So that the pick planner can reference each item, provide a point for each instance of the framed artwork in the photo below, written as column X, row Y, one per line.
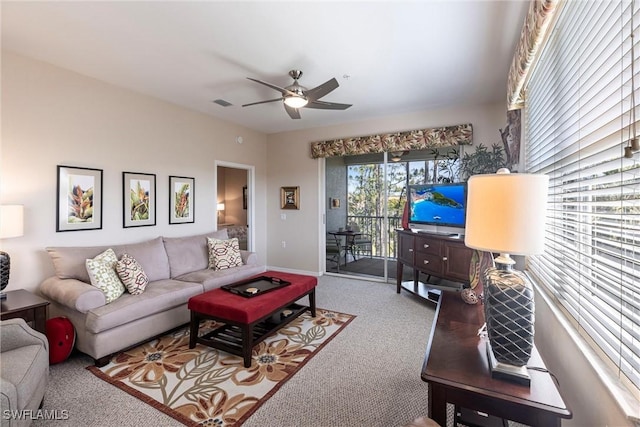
column 181, row 199
column 244, row 197
column 335, row 203
column 139, row 194
column 290, row 197
column 79, row 201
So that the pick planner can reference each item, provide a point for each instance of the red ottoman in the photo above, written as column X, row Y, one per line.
column 248, row 321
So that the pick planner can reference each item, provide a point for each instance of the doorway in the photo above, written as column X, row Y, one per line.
column 234, row 201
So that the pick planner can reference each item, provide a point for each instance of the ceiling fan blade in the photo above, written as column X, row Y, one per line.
column 263, row 102
column 322, row 90
column 321, row 105
column 293, row 112
column 272, row 86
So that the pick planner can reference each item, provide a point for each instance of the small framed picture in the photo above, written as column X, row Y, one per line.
column 290, row 197
column 139, row 194
column 244, row 197
column 79, row 199
column 335, row 203
column 181, row 199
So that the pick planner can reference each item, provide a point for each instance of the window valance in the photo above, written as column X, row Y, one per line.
column 534, row 31
column 419, row 139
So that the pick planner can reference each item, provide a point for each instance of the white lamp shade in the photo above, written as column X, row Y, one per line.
column 220, row 206
column 11, row 221
column 506, row 213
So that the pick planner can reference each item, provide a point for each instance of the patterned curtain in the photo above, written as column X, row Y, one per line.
column 536, row 26
column 419, row 139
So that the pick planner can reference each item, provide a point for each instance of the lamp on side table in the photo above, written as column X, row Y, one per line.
column 506, row 213
column 11, row 225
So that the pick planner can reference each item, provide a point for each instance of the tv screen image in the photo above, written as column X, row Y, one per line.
column 438, row 204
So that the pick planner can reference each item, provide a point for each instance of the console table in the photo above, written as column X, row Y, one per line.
column 437, row 255
column 457, row 371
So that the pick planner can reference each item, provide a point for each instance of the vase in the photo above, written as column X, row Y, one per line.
column 405, row 217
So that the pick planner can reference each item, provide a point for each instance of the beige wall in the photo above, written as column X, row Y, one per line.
column 51, row 116
column 234, row 181
column 290, row 164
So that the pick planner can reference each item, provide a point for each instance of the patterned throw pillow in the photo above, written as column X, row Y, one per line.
column 132, row 275
column 103, row 275
column 224, row 253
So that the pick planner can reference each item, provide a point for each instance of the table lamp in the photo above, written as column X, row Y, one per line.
column 506, row 214
column 11, row 225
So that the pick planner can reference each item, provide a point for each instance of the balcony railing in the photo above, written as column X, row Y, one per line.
column 374, row 227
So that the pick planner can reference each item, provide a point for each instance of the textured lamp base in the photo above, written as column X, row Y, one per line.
column 504, row 371
column 509, row 313
column 5, row 267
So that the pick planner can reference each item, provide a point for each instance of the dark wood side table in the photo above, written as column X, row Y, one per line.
column 457, row 371
column 21, row 303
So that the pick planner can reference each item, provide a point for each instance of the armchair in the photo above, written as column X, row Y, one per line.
column 24, row 369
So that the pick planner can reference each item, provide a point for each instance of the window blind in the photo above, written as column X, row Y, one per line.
column 577, row 119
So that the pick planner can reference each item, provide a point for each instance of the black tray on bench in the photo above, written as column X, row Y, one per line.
column 256, row 286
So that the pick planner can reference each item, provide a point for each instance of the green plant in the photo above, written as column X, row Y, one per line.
column 482, row 160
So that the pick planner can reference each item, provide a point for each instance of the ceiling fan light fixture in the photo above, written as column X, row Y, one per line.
column 296, row 101
column 396, row 156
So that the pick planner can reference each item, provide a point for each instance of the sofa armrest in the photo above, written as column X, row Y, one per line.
column 73, row 293
column 249, row 258
column 15, row 333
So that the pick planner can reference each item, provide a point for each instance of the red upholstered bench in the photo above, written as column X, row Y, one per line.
column 248, row 321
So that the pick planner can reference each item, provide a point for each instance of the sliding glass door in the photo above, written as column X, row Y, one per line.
column 366, row 198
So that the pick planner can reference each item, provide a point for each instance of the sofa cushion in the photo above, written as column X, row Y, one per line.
column 187, row 254
column 70, row 262
column 224, row 254
column 132, row 274
column 102, row 272
column 212, row 279
column 158, row 296
column 151, row 255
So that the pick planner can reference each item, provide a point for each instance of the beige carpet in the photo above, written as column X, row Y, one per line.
column 205, row 386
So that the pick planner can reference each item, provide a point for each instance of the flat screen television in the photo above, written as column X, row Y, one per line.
column 438, row 204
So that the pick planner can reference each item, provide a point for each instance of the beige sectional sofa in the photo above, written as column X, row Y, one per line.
column 177, row 269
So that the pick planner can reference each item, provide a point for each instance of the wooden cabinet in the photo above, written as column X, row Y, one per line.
column 441, row 256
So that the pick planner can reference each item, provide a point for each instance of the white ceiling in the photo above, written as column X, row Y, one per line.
column 400, row 56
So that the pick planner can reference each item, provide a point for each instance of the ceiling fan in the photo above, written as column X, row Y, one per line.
column 296, row 96
column 396, row 156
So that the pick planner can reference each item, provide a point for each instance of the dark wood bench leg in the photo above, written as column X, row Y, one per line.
column 312, row 303
column 194, row 325
column 247, row 344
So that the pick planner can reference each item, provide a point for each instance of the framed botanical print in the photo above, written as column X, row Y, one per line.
column 181, row 200
column 290, row 197
column 79, row 199
column 139, row 197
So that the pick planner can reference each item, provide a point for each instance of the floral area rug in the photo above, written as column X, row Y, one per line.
column 205, row 386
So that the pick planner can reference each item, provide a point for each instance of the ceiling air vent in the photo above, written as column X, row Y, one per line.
column 222, row 102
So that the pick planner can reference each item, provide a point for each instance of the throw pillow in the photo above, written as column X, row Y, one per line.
column 224, row 253
column 103, row 275
column 132, row 275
